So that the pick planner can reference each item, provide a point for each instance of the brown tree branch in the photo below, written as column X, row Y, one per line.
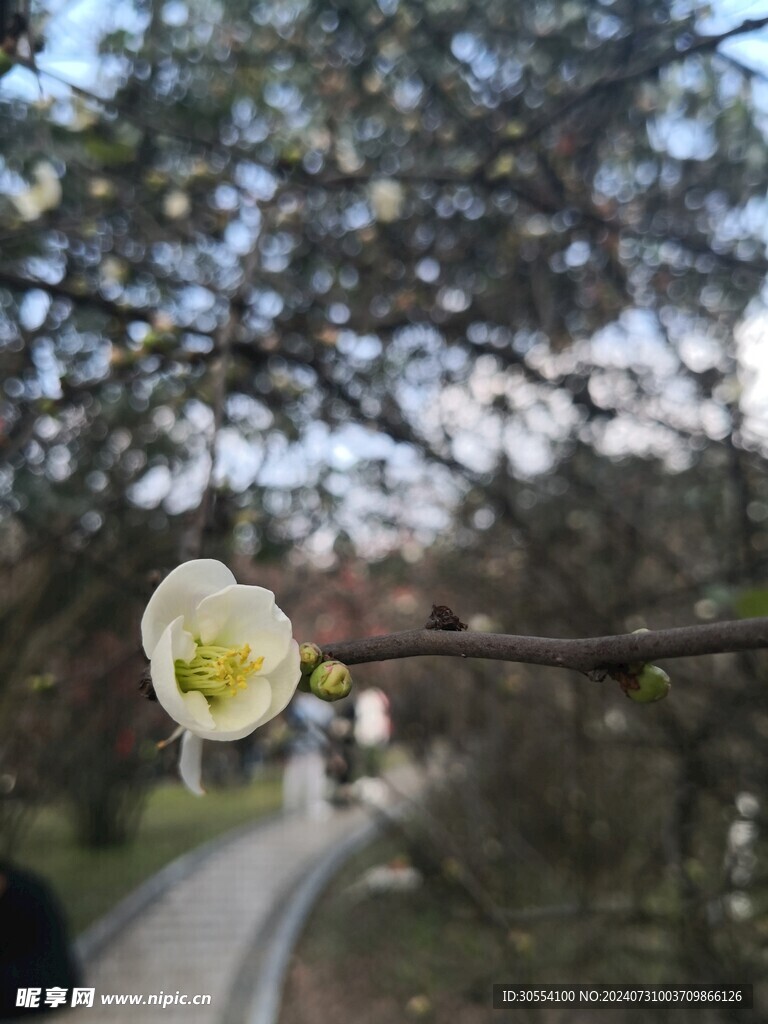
column 699, row 44
column 585, row 655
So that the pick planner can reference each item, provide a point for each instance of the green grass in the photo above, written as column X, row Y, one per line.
column 90, row 882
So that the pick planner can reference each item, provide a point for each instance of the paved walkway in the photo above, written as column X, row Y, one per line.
column 201, row 935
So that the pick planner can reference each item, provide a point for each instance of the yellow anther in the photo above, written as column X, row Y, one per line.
column 217, row 671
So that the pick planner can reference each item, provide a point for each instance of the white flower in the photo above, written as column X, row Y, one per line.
column 223, row 658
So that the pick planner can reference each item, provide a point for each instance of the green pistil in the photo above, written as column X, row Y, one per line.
column 217, row 671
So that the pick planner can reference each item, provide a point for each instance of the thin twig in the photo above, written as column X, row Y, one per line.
column 585, row 655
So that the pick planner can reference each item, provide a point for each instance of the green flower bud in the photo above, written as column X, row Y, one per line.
column 311, row 656
column 651, row 683
column 304, row 686
column 331, row 681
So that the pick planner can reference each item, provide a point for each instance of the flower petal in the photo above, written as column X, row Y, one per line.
column 264, row 698
column 179, row 594
column 191, row 762
column 240, row 615
column 283, row 681
column 188, row 709
column 238, row 716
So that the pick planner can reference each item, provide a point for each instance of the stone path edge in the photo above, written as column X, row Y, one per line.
column 93, row 941
column 259, row 1001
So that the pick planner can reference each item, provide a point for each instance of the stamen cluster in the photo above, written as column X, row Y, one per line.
column 217, row 671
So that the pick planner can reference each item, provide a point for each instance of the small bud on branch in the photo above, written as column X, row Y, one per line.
column 331, row 681
column 442, row 617
column 310, row 657
column 585, row 655
column 645, row 686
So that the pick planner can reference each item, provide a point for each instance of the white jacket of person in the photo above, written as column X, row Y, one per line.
column 372, row 722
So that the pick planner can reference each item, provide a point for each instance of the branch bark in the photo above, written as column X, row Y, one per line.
column 592, row 654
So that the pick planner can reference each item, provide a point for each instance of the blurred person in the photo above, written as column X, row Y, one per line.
column 35, row 952
column 373, row 729
column 304, row 776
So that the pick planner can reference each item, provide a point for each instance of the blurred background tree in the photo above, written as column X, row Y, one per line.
column 392, row 303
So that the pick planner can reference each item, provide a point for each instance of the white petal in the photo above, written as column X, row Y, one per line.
column 238, row 716
column 188, row 709
column 283, row 682
column 191, row 762
column 265, row 697
column 179, row 594
column 240, row 615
